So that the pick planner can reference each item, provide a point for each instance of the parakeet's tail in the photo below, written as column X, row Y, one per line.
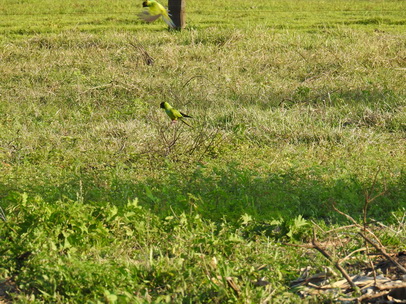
column 168, row 21
column 146, row 16
column 185, row 115
column 185, row 123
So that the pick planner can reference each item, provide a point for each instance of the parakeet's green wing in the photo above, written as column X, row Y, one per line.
column 171, row 114
column 176, row 113
column 156, row 10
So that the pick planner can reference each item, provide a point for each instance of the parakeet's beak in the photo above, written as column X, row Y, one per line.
column 162, row 105
column 144, row 4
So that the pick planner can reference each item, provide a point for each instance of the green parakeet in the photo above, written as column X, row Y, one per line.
column 174, row 114
column 155, row 10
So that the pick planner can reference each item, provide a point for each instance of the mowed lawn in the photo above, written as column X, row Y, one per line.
column 295, row 105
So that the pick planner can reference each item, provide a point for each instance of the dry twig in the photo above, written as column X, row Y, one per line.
column 320, row 249
column 380, row 248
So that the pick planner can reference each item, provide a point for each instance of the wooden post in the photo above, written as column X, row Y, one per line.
column 177, row 11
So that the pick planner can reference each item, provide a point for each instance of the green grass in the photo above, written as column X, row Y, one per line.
column 295, row 104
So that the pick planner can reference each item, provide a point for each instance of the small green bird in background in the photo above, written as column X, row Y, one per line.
column 174, row 114
column 155, row 10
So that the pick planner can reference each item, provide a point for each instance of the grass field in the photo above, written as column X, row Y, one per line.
column 296, row 104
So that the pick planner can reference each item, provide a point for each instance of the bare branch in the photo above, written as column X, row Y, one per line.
column 352, row 253
column 373, row 182
column 380, row 248
column 340, row 228
column 391, row 286
column 345, row 214
column 357, row 225
column 336, row 263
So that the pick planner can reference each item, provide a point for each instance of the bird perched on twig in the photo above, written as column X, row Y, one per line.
column 174, row 114
column 154, row 11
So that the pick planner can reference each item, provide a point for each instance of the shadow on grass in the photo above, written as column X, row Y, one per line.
column 230, row 192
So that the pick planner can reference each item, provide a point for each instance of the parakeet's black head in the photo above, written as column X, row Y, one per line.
column 145, row 4
column 162, row 105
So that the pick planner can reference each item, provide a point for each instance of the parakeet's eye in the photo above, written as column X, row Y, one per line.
column 144, row 4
